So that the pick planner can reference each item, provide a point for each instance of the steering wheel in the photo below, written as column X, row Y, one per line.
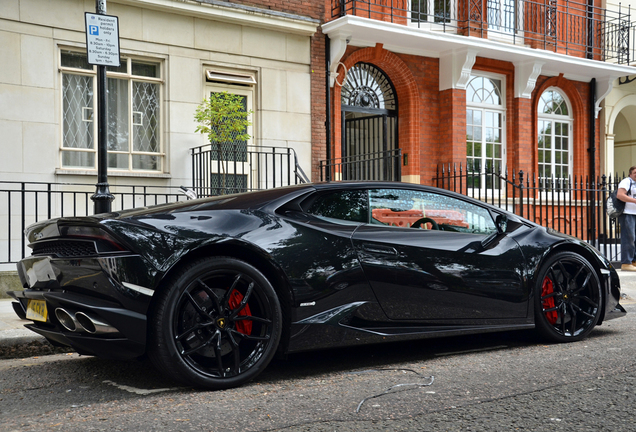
column 418, row 223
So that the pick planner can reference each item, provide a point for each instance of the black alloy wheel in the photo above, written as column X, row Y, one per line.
column 568, row 298
column 216, row 325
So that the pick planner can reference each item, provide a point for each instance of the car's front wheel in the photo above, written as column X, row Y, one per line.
column 568, row 298
column 216, row 324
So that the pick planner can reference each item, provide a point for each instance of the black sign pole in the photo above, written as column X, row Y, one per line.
column 102, row 197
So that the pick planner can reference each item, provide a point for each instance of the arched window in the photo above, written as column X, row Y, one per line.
column 554, row 139
column 485, row 131
column 368, row 87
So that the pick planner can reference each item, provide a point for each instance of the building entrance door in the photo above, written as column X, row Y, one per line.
column 370, row 149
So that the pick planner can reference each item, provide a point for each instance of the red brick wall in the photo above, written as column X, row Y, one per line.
column 451, row 132
column 318, row 104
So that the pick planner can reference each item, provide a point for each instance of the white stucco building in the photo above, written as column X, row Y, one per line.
column 173, row 55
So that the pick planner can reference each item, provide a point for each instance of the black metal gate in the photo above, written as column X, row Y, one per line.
column 369, row 126
column 366, row 141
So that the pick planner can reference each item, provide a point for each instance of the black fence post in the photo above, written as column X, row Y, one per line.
column 605, row 230
column 521, row 193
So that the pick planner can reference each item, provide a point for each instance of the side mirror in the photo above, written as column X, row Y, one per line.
column 502, row 223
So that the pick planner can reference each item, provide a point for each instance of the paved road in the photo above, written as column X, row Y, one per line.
column 497, row 382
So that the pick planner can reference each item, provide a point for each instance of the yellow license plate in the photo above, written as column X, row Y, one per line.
column 36, row 310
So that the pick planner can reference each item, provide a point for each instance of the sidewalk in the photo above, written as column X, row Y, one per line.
column 13, row 334
column 12, row 330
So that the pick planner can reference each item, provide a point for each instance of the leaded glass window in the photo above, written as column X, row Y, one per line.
column 145, row 125
column 77, row 126
column 133, row 114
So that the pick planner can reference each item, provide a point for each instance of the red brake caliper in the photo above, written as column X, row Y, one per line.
column 548, row 303
column 245, row 326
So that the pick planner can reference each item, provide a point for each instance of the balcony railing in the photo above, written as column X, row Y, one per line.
column 220, row 169
column 567, row 27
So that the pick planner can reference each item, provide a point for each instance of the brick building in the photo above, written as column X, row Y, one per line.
column 492, row 84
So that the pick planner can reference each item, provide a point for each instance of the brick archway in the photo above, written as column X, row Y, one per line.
column 408, row 104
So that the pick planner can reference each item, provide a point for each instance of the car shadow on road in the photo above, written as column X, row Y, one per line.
column 308, row 364
column 303, row 365
column 140, row 377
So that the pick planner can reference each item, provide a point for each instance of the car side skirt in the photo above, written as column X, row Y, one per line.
column 305, row 337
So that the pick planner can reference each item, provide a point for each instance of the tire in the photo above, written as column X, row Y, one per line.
column 568, row 298
column 216, row 324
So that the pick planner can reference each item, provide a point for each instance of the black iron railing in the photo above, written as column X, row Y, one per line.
column 384, row 165
column 574, row 206
column 219, row 169
column 24, row 203
column 570, row 27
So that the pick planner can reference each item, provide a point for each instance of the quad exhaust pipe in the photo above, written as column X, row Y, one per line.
column 67, row 320
column 79, row 322
column 93, row 325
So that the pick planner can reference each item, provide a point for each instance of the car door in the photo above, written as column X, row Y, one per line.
column 456, row 266
column 317, row 254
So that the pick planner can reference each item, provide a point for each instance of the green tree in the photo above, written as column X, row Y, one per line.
column 223, row 118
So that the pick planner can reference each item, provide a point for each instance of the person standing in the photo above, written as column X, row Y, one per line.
column 627, row 192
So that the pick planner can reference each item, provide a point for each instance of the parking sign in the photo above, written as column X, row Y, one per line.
column 102, row 39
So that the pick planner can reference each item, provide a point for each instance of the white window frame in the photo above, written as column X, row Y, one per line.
column 430, row 23
column 503, row 34
column 498, row 109
column 90, row 113
column 553, row 118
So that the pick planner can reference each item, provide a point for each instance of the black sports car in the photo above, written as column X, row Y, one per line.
column 212, row 289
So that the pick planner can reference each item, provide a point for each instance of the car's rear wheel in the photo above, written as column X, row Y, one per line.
column 568, row 298
column 216, row 325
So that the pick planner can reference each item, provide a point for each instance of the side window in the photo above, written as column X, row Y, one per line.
column 349, row 206
column 427, row 210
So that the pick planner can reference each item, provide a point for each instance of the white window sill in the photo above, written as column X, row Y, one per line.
column 93, row 173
